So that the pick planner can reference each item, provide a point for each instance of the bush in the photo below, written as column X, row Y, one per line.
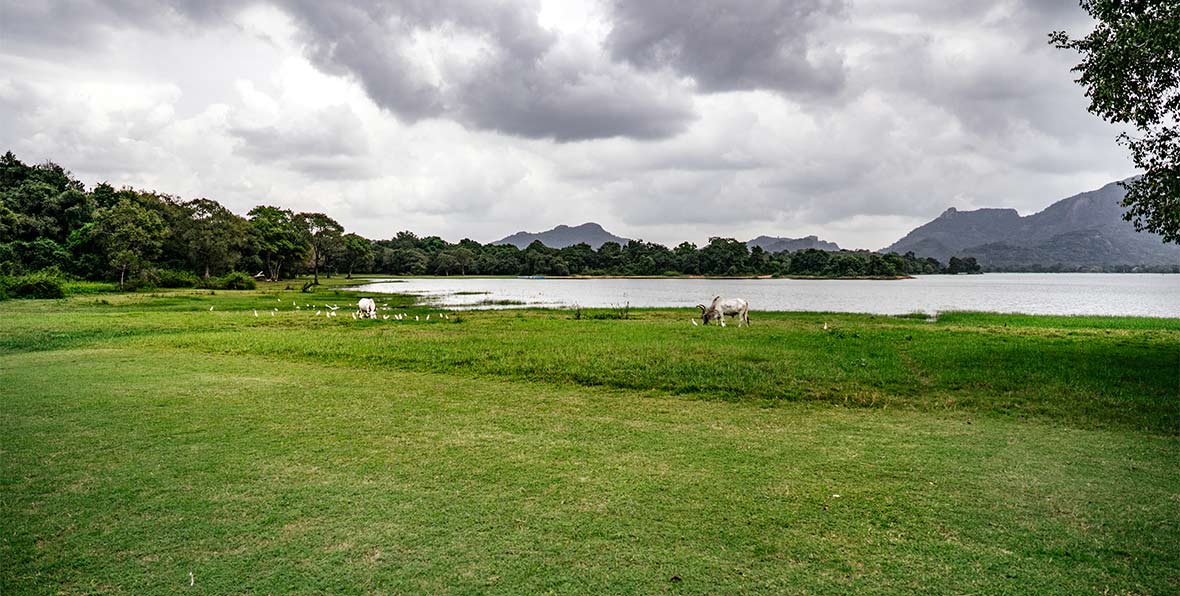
column 41, row 284
column 79, row 287
column 236, row 280
column 166, row 278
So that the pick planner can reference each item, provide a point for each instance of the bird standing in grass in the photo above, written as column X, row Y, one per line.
column 694, row 322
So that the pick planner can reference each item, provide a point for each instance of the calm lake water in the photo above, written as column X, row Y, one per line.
column 1033, row 293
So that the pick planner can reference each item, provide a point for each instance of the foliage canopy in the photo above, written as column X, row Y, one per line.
column 1131, row 71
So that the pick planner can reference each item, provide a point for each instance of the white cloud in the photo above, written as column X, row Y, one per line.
column 241, row 105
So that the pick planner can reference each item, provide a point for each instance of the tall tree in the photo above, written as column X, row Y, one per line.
column 357, row 251
column 277, row 236
column 724, row 256
column 1131, row 71
column 213, row 235
column 324, row 234
column 132, row 236
column 464, row 258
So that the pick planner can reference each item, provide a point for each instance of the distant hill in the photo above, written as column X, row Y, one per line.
column 563, row 236
column 772, row 244
column 1083, row 232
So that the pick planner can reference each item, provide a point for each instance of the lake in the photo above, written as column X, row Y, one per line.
column 1151, row 295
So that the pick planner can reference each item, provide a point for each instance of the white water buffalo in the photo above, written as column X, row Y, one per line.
column 366, row 308
column 719, row 308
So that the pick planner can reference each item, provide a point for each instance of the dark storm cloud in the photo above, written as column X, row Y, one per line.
column 564, row 102
column 517, row 86
column 732, row 46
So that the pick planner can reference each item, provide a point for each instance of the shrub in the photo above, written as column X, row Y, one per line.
column 236, row 280
column 77, row 287
column 166, row 278
column 41, row 284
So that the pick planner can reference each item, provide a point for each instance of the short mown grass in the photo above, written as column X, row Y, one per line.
column 525, row 451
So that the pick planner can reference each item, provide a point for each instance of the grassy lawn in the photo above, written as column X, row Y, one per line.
column 145, row 437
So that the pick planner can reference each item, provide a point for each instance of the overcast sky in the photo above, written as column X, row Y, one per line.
column 665, row 120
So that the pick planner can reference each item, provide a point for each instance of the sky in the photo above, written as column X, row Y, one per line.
column 662, row 120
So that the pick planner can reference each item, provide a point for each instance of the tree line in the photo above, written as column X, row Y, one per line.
column 50, row 221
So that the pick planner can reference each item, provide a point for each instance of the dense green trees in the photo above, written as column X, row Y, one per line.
column 131, row 236
column 279, row 238
column 49, row 221
column 216, row 236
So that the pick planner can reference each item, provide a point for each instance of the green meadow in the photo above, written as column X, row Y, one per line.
column 150, row 445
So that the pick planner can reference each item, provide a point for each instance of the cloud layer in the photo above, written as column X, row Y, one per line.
column 663, row 120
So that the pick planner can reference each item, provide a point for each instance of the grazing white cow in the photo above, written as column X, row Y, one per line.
column 719, row 308
column 366, row 308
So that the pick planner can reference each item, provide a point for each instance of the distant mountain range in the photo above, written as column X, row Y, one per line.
column 772, row 245
column 563, row 236
column 593, row 234
column 1083, row 232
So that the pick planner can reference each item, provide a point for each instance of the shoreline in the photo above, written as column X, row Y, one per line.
column 542, row 277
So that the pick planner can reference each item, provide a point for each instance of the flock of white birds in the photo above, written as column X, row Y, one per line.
column 330, row 310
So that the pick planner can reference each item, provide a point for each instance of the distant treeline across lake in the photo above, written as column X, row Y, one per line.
column 49, row 221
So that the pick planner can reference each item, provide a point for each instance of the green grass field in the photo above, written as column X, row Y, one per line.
column 145, row 437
